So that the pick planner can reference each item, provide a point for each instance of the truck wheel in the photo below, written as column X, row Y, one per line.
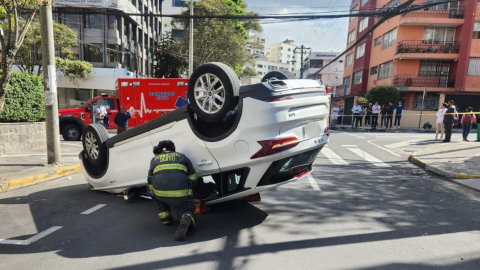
column 279, row 75
column 94, row 144
column 71, row 133
column 213, row 91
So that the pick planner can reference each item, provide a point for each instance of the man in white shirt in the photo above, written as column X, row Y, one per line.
column 375, row 111
column 440, row 126
column 99, row 112
column 356, row 110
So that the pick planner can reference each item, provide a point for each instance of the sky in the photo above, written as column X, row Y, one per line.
column 323, row 35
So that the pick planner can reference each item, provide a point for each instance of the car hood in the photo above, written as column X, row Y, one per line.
column 70, row 111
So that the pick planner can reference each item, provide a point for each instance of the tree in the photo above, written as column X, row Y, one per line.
column 248, row 71
column 383, row 94
column 219, row 40
column 169, row 64
column 16, row 16
column 29, row 54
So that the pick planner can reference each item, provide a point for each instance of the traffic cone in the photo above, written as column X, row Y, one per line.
column 200, row 207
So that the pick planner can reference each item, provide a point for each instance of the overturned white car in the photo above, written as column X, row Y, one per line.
column 242, row 140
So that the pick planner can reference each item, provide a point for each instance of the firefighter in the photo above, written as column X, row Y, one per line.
column 170, row 180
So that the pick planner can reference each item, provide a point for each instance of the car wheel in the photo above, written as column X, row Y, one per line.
column 279, row 75
column 94, row 144
column 213, row 91
column 71, row 133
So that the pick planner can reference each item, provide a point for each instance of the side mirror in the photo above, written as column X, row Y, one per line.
column 87, row 109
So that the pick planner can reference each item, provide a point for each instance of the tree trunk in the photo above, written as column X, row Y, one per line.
column 5, row 79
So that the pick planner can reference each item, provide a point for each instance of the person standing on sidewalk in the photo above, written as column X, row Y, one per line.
column 368, row 115
column 121, row 119
column 375, row 111
column 448, row 120
column 398, row 114
column 340, row 115
column 356, row 110
column 335, row 111
column 440, row 126
column 383, row 112
column 389, row 119
column 467, row 121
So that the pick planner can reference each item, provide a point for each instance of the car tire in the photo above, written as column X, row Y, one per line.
column 279, row 75
column 208, row 85
column 94, row 144
column 71, row 133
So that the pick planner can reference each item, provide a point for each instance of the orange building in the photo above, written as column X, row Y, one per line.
column 435, row 49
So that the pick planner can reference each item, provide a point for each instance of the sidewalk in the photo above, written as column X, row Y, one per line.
column 457, row 161
column 382, row 129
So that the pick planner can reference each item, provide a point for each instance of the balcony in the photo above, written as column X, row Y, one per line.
column 434, row 17
column 418, row 49
column 414, row 80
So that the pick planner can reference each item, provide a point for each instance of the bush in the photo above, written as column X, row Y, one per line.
column 383, row 94
column 24, row 100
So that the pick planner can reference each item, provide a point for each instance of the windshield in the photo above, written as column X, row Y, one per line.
column 83, row 104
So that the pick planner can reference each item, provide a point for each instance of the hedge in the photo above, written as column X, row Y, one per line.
column 24, row 100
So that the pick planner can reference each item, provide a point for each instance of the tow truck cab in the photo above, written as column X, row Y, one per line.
column 145, row 99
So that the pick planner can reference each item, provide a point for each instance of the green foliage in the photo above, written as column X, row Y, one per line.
column 248, row 72
column 218, row 40
column 74, row 69
column 169, row 64
column 24, row 101
column 383, row 94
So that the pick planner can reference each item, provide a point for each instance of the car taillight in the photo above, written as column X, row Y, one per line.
column 298, row 176
column 327, row 131
column 278, row 99
column 274, row 146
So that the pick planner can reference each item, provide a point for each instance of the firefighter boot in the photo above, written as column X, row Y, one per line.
column 181, row 232
column 165, row 218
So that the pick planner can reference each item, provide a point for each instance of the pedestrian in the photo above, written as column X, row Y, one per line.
column 389, row 118
column 340, row 115
column 398, row 114
column 362, row 114
column 170, row 181
column 121, row 119
column 368, row 115
column 448, row 120
column 356, row 110
column 335, row 111
column 375, row 111
column 383, row 112
column 467, row 120
column 440, row 126
column 99, row 112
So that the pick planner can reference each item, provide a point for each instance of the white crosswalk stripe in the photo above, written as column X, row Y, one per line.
column 333, row 157
column 400, row 144
column 375, row 161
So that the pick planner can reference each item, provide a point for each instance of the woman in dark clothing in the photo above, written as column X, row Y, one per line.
column 383, row 113
column 467, row 121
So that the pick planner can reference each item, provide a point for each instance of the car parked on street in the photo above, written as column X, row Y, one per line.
column 242, row 140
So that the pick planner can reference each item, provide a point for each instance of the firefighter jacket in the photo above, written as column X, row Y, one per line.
column 171, row 175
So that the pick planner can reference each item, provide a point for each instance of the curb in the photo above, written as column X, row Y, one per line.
column 450, row 175
column 30, row 180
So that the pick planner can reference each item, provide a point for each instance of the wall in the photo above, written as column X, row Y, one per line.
column 18, row 137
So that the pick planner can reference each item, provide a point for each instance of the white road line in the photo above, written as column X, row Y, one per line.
column 32, row 239
column 375, row 161
column 93, row 209
column 333, row 157
column 360, row 137
column 399, row 144
column 313, row 183
column 385, row 149
column 79, row 145
column 349, row 145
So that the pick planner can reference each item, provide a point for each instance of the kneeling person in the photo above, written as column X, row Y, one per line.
column 170, row 181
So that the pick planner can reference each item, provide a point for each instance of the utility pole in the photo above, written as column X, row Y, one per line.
column 50, row 83
column 302, row 49
column 190, row 45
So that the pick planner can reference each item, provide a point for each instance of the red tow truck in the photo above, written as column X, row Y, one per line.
column 145, row 99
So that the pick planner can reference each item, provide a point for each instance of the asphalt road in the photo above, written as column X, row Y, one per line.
column 366, row 207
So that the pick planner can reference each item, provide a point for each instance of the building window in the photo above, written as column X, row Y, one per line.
column 93, row 21
column 112, row 53
column 377, row 41
column 364, row 2
column 259, row 66
column 389, row 39
column 395, row 3
column 435, row 35
column 362, row 25
column 178, row 3
column 349, row 59
column 112, row 22
column 288, row 55
column 360, row 51
column 476, row 30
column 354, row 11
column 357, row 77
column 432, row 68
column 93, row 52
column 72, row 20
column 374, row 70
column 346, row 81
column 178, row 34
column 289, row 49
column 262, row 40
column 351, row 36
column 474, row 66
column 385, row 70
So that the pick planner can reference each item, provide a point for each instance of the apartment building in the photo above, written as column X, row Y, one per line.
column 263, row 66
column 435, row 49
column 263, row 50
column 332, row 75
column 284, row 52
